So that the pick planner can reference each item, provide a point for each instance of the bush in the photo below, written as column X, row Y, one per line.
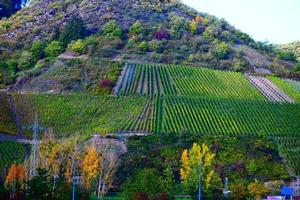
column 111, row 30
column 136, row 28
column 161, row 34
column 209, row 34
column 54, row 49
column 74, row 30
column 26, row 61
column 37, row 50
column 220, row 50
column 143, row 46
column 78, row 46
column 287, row 55
column 153, row 45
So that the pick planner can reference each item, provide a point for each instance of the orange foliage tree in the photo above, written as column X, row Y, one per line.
column 15, row 178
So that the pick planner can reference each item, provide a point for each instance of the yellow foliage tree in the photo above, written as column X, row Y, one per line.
column 193, row 26
column 191, row 161
column 257, row 190
column 91, row 165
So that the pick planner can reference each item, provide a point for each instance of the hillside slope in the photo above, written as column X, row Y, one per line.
column 141, row 31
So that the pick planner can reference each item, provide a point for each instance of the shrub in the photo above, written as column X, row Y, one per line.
column 221, row 50
column 136, row 28
column 111, row 30
column 26, row 61
column 161, row 34
column 54, row 49
column 193, row 26
column 130, row 43
column 78, row 46
column 209, row 34
column 286, row 55
column 75, row 29
column 37, row 50
column 143, row 46
column 153, row 45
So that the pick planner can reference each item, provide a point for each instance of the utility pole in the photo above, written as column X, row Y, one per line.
column 200, row 178
column 74, row 180
column 34, row 148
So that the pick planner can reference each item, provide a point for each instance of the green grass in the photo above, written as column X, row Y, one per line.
column 172, row 80
column 286, row 87
column 11, row 152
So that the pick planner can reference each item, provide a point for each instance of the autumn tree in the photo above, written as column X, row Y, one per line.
column 191, row 161
column 193, row 26
column 15, row 178
column 91, row 165
column 257, row 190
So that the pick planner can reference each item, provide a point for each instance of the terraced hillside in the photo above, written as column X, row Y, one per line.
column 173, row 80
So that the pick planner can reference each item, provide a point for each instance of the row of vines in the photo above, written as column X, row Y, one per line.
column 172, row 80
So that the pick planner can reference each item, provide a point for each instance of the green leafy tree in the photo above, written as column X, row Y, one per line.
column 37, row 50
column 143, row 46
column 221, row 50
column 39, row 187
column 111, row 30
column 169, row 180
column 54, row 49
column 74, row 30
column 209, row 33
column 147, row 181
column 154, row 45
column 136, row 28
column 78, row 46
column 26, row 61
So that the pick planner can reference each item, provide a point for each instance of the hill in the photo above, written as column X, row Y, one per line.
column 139, row 31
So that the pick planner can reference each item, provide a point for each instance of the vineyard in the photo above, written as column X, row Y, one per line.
column 10, row 152
column 269, row 89
column 228, row 117
column 289, row 149
column 294, row 84
column 286, row 87
column 82, row 114
column 171, row 80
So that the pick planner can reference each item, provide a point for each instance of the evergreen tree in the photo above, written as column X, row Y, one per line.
column 74, row 30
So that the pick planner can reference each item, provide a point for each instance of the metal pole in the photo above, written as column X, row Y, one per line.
column 73, row 181
column 200, row 177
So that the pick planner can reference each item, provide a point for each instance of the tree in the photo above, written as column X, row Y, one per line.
column 78, row 46
column 143, row 46
column 15, row 178
column 91, row 165
column 257, row 190
column 111, row 30
column 147, row 181
column 74, row 30
column 221, row 50
column 26, row 61
column 238, row 191
column 39, row 187
column 54, row 49
column 191, row 161
column 169, row 180
column 136, row 28
column 37, row 50
column 193, row 26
